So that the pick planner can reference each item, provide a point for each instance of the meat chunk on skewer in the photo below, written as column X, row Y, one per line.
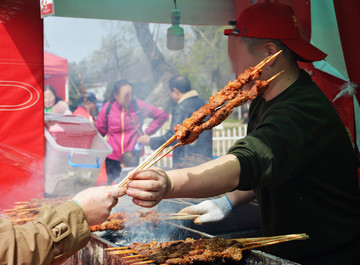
column 120, row 220
column 217, row 100
column 189, row 251
column 222, row 113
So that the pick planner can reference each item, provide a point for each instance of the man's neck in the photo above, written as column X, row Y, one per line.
column 281, row 83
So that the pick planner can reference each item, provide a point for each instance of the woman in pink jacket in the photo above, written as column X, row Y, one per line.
column 121, row 119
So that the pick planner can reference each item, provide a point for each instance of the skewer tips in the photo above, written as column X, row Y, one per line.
column 273, row 77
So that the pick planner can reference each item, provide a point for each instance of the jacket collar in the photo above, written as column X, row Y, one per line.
column 190, row 94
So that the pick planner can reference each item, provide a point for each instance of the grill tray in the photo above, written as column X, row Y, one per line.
column 94, row 253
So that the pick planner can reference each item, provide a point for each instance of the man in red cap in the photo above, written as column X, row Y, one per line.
column 297, row 157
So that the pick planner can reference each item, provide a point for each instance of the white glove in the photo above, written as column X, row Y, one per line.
column 210, row 210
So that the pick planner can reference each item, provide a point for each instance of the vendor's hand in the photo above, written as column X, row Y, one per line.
column 97, row 202
column 210, row 210
column 144, row 139
column 148, row 187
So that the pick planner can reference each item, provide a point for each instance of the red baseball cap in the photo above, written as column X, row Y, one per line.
column 269, row 20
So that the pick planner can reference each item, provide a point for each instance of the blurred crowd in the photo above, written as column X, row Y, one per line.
column 121, row 118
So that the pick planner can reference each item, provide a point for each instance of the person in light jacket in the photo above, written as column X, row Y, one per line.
column 58, row 232
column 121, row 119
column 187, row 101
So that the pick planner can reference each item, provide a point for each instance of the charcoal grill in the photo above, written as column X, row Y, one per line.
column 94, row 253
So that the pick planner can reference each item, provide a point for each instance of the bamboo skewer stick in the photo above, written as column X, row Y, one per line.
column 23, row 202
column 148, row 160
column 265, row 61
column 22, row 219
column 256, row 239
column 120, row 252
column 172, row 214
column 182, row 217
column 271, row 242
column 116, row 248
column 274, row 76
column 249, row 243
column 132, row 256
column 144, row 262
column 164, row 154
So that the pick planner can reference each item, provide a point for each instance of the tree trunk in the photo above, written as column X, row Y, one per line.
column 161, row 70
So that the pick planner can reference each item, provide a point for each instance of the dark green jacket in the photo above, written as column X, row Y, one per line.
column 299, row 159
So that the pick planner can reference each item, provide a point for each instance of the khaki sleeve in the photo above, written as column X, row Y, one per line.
column 51, row 238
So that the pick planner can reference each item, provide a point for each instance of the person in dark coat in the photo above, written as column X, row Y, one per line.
column 187, row 101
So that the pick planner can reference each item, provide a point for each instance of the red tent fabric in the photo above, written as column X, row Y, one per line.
column 56, row 73
column 347, row 13
column 21, row 102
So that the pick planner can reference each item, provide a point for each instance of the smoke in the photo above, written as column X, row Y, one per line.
column 22, row 175
column 135, row 231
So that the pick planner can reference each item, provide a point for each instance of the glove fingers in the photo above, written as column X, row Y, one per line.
column 193, row 210
column 205, row 218
column 187, row 209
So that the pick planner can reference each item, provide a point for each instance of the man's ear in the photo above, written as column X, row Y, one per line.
column 270, row 49
column 176, row 90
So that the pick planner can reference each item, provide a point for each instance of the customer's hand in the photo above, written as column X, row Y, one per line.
column 97, row 202
column 210, row 210
column 144, row 139
column 148, row 187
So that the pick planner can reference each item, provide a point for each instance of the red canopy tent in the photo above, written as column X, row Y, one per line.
column 56, row 73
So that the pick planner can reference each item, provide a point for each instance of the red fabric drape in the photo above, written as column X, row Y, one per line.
column 21, row 102
column 347, row 15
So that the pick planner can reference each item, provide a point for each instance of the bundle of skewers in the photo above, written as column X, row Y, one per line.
column 26, row 211
column 121, row 220
column 219, row 107
column 191, row 251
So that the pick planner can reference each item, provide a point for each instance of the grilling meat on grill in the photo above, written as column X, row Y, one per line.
column 117, row 221
column 26, row 211
column 190, row 251
column 114, row 222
